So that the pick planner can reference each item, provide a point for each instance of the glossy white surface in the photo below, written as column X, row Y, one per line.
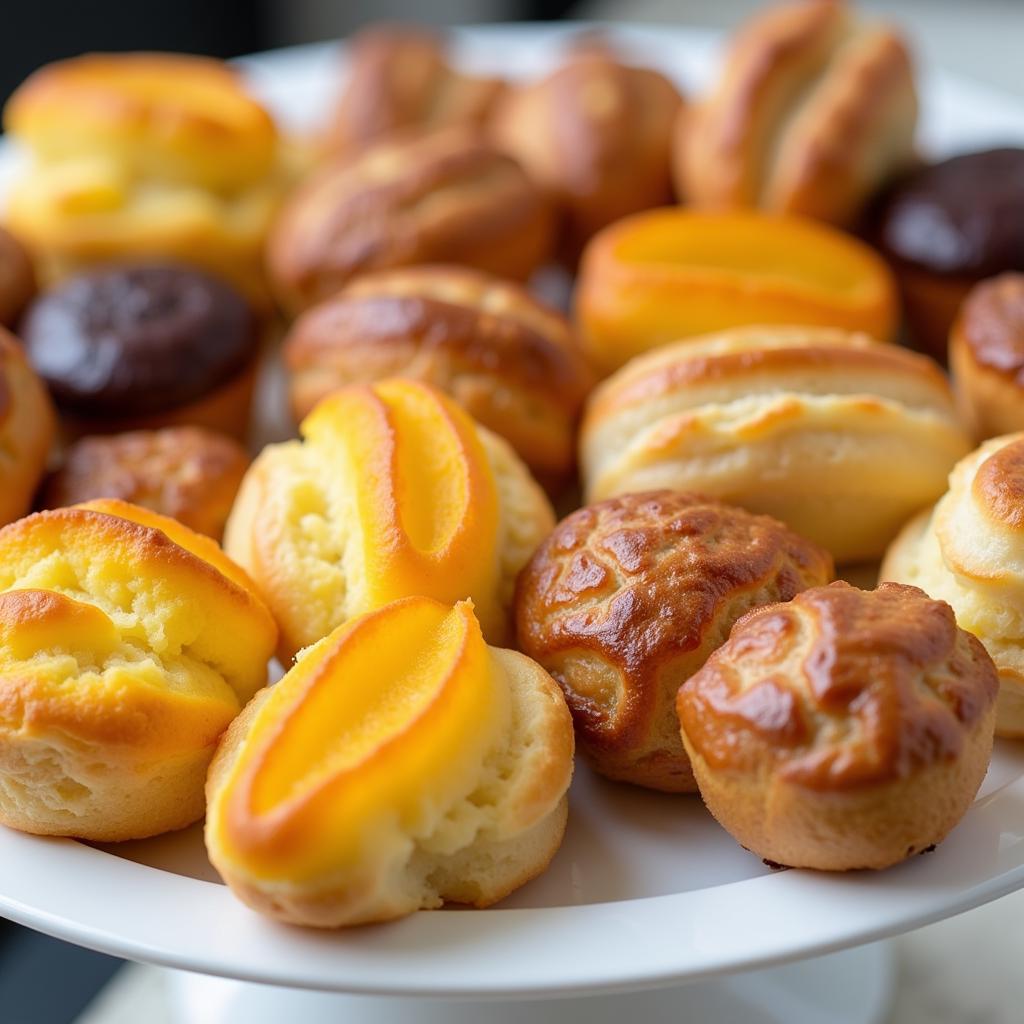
column 647, row 890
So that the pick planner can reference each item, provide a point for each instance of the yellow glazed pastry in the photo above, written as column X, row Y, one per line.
column 393, row 491
column 400, row 764
column 145, row 155
column 840, row 437
column 969, row 551
column 127, row 645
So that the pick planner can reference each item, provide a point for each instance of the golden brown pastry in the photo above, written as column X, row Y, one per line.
column 127, row 645
column 145, row 156
column 448, row 197
column 393, row 491
column 187, row 473
column 512, row 363
column 986, row 356
column 626, row 600
column 17, row 279
column 663, row 275
column 400, row 81
column 27, row 429
column 402, row 763
column 846, row 729
column 968, row 551
column 813, row 111
column 840, row 437
column 596, row 133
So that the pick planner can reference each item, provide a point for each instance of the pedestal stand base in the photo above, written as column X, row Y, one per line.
column 853, row 987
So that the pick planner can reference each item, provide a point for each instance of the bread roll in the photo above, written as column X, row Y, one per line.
column 969, row 551
column 846, row 729
column 17, row 279
column 393, row 491
column 127, row 645
column 813, row 111
column 626, row 600
column 402, row 763
column 840, row 437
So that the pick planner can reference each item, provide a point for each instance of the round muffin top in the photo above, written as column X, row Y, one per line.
column 124, row 341
column 647, row 585
column 963, row 216
column 840, row 688
column 991, row 324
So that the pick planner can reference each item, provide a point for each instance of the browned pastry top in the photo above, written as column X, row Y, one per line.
column 991, row 324
column 17, row 279
column 187, row 473
column 446, row 197
column 399, row 80
column 840, row 688
column 642, row 581
column 999, row 485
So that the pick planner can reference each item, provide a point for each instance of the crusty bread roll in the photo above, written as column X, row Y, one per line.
column 446, row 197
column 597, row 134
column 840, row 437
column 813, row 111
column 400, row 81
column 401, row 763
column 511, row 362
column 17, row 279
column 27, row 428
column 145, row 155
column 127, row 645
column 969, row 551
column 393, row 491
column 846, row 729
column 986, row 356
column 626, row 600
column 187, row 473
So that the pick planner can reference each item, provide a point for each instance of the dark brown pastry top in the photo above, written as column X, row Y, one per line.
column 128, row 341
column 840, row 688
column 991, row 324
column 961, row 217
column 17, row 279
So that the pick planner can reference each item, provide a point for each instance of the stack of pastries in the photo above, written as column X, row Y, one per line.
column 724, row 421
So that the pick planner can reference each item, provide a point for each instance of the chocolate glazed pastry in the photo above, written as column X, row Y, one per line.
column 947, row 227
column 144, row 346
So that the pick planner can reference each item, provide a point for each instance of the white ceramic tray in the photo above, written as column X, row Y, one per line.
column 647, row 889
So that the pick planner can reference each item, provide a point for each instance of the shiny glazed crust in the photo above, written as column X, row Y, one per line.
column 836, row 435
column 596, row 133
column 125, row 651
column 812, row 113
column 968, row 551
column 448, row 197
column 846, row 729
column 401, row 82
column 511, row 362
column 187, row 473
column 626, row 600
column 27, row 428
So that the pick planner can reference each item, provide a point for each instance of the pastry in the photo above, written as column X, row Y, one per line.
column 127, row 645
column 17, row 279
column 145, row 156
column 187, row 473
column 840, row 437
column 967, row 551
column 27, row 428
column 668, row 274
column 400, row 82
column 845, row 729
column 140, row 347
column 393, row 491
column 813, row 111
column 626, row 600
column 986, row 356
column 596, row 133
column 448, row 197
column 401, row 764
column 511, row 362
column 947, row 227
